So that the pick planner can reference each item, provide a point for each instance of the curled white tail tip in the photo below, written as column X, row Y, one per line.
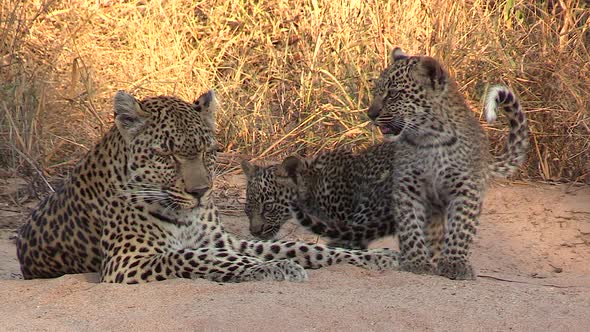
column 492, row 101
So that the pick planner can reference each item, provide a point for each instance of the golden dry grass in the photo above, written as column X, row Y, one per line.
column 292, row 76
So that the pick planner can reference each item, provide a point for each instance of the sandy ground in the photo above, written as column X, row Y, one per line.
column 532, row 254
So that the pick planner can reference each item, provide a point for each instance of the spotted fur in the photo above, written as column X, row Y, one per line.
column 343, row 196
column 426, row 182
column 138, row 208
column 336, row 195
column 442, row 158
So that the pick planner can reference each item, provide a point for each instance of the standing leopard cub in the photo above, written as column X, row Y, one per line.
column 138, row 208
column 443, row 161
column 426, row 182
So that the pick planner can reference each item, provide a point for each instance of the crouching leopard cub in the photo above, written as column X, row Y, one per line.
column 426, row 182
column 343, row 196
column 138, row 208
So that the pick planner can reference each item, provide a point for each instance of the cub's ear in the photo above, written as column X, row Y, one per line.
column 291, row 169
column 248, row 168
column 207, row 105
column 129, row 117
column 430, row 73
column 396, row 54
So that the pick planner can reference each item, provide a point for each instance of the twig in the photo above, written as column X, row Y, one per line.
column 525, row 282
column 10, row 210
column 580, row 212
column 289, row 134
column 25, row 157
column 292, row 231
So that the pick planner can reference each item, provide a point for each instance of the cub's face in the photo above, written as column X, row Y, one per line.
column 268, row 197
column 404, row 97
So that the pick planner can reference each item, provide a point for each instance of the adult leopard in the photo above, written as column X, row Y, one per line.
column 426, row 182
column 138, row 208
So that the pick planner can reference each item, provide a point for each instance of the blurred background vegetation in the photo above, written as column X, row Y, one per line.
column 292, row 75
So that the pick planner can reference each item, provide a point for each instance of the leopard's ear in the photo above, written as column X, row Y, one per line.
column 248, row 168
column 207, row 105
column 291, row 168
column 396, row 54
column 130, row 118
column 430, row 73
column 292, row 165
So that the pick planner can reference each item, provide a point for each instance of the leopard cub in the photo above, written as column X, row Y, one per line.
column 425, row 183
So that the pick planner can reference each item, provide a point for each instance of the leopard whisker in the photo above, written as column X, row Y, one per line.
column 153, row 194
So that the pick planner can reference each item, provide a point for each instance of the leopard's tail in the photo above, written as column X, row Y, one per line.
column 517, row 145
column 341, row 233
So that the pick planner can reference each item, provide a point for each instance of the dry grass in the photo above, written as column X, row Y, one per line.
column 293, row 76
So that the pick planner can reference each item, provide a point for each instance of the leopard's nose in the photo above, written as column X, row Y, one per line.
column 198, row 192
column 375, row 109
column 373, row 112
column 255, row 230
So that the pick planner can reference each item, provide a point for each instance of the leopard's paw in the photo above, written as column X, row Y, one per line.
column 421, row 266
column 278, row 270
column 381, row 259
column 455, row 268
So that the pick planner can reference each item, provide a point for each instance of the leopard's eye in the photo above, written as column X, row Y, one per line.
column 161, row 152
column 267, row 207
column 391, row 93
column 182, row 158
column 164, row 155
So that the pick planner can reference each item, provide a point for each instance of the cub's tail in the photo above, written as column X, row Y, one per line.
column 518, row 139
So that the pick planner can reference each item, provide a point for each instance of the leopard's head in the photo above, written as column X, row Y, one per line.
column 270, row 193
column 407, row 100
column 170, row 149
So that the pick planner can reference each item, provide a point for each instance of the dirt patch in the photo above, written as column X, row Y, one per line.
column 531, row 254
